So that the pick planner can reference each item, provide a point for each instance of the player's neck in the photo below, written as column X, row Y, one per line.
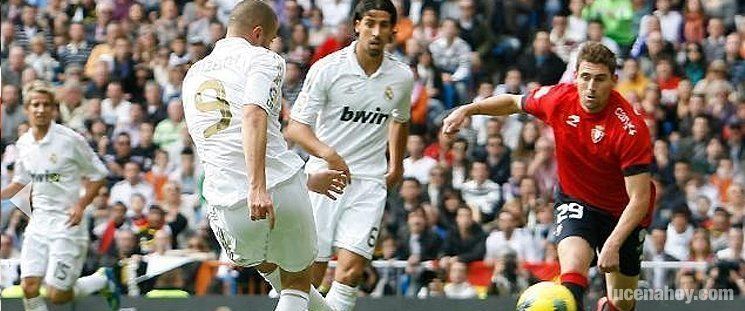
column 369, row 64
column 40, row 131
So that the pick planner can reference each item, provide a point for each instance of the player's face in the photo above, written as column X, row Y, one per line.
column 40, row 109
column 375, row 31
column 594, row 83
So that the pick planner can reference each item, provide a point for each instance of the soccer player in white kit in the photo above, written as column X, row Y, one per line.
column 55, row 160
column 354, row 103
column 232, row 102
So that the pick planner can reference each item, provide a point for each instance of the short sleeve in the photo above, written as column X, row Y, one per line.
column 540, row 101
column 635, row 149
column 20, row 174
column 312, row 96
column 402, row 112
column 90, row 164
column 264, row 82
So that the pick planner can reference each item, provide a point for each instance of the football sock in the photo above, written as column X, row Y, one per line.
column 576, row 283
column 34, row 304
column 316, row 302
column 90, row 284
column 292, row 300
column 341, row 297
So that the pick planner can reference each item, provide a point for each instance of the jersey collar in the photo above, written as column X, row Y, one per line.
column 47, row 137
column 354, row 64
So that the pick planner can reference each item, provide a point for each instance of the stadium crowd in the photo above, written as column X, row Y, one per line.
column 481, row 201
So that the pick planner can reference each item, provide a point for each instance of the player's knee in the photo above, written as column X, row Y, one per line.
column 30, row 287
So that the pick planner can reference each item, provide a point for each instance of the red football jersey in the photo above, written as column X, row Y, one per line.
column 594, row 151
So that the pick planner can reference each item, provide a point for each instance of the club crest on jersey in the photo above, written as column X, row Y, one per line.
column 597, row 133
column 388, row 93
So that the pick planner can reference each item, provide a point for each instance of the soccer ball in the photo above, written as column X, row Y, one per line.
column 546, row 296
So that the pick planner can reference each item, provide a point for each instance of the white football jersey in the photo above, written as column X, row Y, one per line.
column 215, row 90
column 350, row 111
column 55, row 166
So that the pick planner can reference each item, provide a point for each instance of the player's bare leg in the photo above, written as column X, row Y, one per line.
column 32, row 301
column 575, row 256
column 273, row 275
column 318, row 272
column 618, row 281
column 343, row 293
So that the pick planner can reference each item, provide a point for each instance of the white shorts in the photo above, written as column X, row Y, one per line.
column 352, row 222
column 59, row 260
column 291, row 244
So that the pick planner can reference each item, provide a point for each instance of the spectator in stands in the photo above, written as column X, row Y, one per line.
column 132, row 184
column 464, row 242
column 179, row 208
column 714, row 43
column 654, row 251
column 416, row 164
column 145, row 148
column 719, row 229
column 185, row 174
column 482, row 194
column 507, row 277
column 497, row 159
column 159, row 172
column 459, row 287
column 13, row 66
column 700, row 247
column 679, row 234
column 12, row 112
column 168, row 131
column 9, row 273
column 694, row 23
column 105, row 233
column 734, row 250
column 418, row 243
column 540, row 63
column 695, row 65
column 104, row 50
column 452, row 55
column 507, row 238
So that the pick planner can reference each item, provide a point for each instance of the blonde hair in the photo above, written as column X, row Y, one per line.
column 38, row 86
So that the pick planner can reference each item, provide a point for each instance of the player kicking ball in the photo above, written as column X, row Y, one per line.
column 257, row 198
column 604, row 151
column 56, row 159
column 354, row 104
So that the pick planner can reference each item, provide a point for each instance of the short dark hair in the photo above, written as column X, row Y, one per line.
column 597, row 53
column 364, row 6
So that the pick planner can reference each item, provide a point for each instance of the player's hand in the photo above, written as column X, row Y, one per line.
column 608, row 259
column 393, row 177
column 328, row 183
column 451, row 125
column 337, row 163
column 75, row 215
column 261, row 207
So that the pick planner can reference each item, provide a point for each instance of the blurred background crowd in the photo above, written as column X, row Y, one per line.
column 473, row 216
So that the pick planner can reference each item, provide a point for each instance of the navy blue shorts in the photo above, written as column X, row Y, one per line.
column 575, row 218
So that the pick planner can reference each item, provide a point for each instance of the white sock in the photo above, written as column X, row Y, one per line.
column 316, row 303
column 341, row 297
column 90, row 284
column 34, row 304
column 292, row 300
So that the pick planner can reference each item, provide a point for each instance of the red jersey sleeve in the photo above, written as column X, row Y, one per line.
column 635, row 148
column 542, row 101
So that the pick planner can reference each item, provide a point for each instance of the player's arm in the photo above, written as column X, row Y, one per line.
column 254, row 125
column 11, row 190
column 303, row 135
column 397, row 135
column 639, row 190
column 264, row 75
column 500, row 105
column 310, row 102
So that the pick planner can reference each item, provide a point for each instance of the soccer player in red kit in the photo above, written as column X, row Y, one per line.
column 603, row 149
